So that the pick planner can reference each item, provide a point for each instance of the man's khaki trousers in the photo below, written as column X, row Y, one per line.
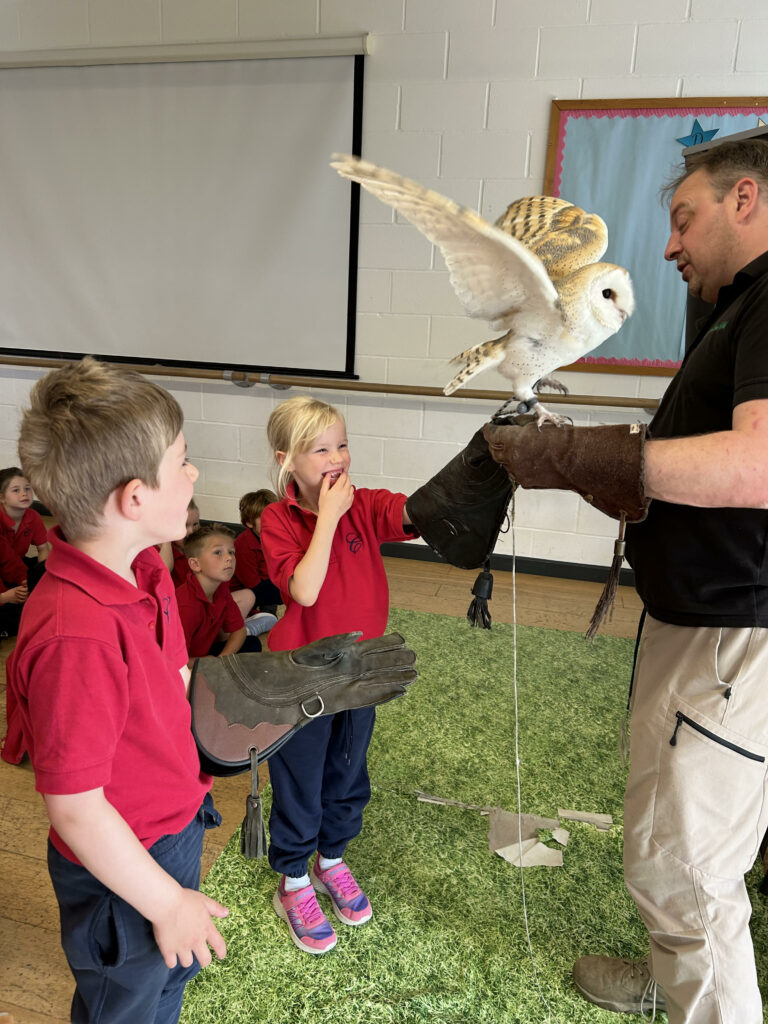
column 695, row 813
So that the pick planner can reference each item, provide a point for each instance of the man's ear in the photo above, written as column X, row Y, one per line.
column 129, row 499
column 746, row 193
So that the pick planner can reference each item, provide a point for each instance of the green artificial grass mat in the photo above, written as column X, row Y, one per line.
column 447, row 942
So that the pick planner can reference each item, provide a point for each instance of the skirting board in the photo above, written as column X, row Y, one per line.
column 531, row 566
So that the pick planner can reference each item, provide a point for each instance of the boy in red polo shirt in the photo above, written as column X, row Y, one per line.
column 213, row 624
column 21, row 526
column 99, row 677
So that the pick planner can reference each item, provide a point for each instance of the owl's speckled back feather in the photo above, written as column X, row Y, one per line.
column 562, row 235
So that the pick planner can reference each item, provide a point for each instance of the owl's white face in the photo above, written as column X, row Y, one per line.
column 611, row 298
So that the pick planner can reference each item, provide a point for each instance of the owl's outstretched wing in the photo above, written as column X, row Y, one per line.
column 562, row 235
column 493, row 274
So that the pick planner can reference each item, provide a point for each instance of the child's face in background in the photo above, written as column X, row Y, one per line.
column 217, row 559
column 17, row 496
column 328, row 455
column 193, row 522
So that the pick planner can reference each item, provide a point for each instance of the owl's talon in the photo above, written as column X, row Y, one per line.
column 545, row 416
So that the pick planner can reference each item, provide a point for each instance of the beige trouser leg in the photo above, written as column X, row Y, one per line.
column 695, row 812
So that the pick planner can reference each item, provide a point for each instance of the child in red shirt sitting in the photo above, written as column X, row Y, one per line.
column 251, row 572
column 213, row 624
column 13, row 589
column 19, row 523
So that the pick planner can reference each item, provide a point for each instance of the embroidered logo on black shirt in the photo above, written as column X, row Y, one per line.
column 354, row 542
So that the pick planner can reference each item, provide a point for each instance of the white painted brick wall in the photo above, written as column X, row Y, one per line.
column 115, row 23
column 457, row 95
column 706, row 47
column 586, row 49
column 751, row 55
column 187, row 21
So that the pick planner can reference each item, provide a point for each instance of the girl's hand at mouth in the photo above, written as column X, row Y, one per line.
column 337, row 493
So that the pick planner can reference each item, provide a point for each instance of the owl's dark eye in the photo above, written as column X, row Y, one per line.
column 607, row 293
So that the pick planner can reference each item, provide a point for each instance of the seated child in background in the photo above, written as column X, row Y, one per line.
column 22, row 528
column 178, row 566
column 13, row 589
column 13, row 595
column 251, row 572
column 19, row 523
column 172, row 552
column 213, row 624
column 99, row 679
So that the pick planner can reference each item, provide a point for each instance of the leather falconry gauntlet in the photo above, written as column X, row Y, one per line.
column 605, row 465
column 258, row 701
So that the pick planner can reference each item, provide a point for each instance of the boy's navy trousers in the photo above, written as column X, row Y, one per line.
column 120, row 974
column 320, row 786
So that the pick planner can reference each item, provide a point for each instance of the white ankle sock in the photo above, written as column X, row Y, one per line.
column 327, row 862
column 292, row 884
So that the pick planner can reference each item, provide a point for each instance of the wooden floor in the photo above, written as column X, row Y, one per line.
column 35, row 983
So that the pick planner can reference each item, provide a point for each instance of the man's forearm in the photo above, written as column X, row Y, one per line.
column 723, row 470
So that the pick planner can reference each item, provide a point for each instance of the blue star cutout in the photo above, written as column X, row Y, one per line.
column 698, row 135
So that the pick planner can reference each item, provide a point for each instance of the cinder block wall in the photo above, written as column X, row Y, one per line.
column 457, row 94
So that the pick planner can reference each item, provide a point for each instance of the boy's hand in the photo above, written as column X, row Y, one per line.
column 186, row 930
column 335, row 498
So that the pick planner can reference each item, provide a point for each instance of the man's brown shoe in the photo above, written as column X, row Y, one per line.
column 624, row 986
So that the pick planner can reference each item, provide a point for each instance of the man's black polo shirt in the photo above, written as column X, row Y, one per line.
column 709, row 566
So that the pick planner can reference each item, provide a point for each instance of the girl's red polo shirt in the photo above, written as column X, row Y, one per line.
column 355, row 593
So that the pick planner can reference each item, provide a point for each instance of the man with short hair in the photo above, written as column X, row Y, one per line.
column 695, row 808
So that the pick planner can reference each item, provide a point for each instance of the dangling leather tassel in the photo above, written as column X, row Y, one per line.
column 253, row 836
column 478, row 613
column 605, row 605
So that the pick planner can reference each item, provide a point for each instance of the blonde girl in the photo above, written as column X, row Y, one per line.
column 321, row 541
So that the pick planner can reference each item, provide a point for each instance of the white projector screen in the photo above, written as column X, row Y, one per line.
column 181, row 213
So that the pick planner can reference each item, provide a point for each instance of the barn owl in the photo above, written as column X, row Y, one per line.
column 533, row 274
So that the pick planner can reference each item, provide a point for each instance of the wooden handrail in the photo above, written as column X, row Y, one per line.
column 243, row 378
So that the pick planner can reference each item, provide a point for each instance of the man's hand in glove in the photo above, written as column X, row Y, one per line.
column 605, row 465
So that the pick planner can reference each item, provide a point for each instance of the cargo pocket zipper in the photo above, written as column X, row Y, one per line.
column 712, row 736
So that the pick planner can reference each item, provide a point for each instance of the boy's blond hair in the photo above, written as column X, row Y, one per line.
column 292, row 428
column 253, row 504
column 91, row 427
column 195, row 542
